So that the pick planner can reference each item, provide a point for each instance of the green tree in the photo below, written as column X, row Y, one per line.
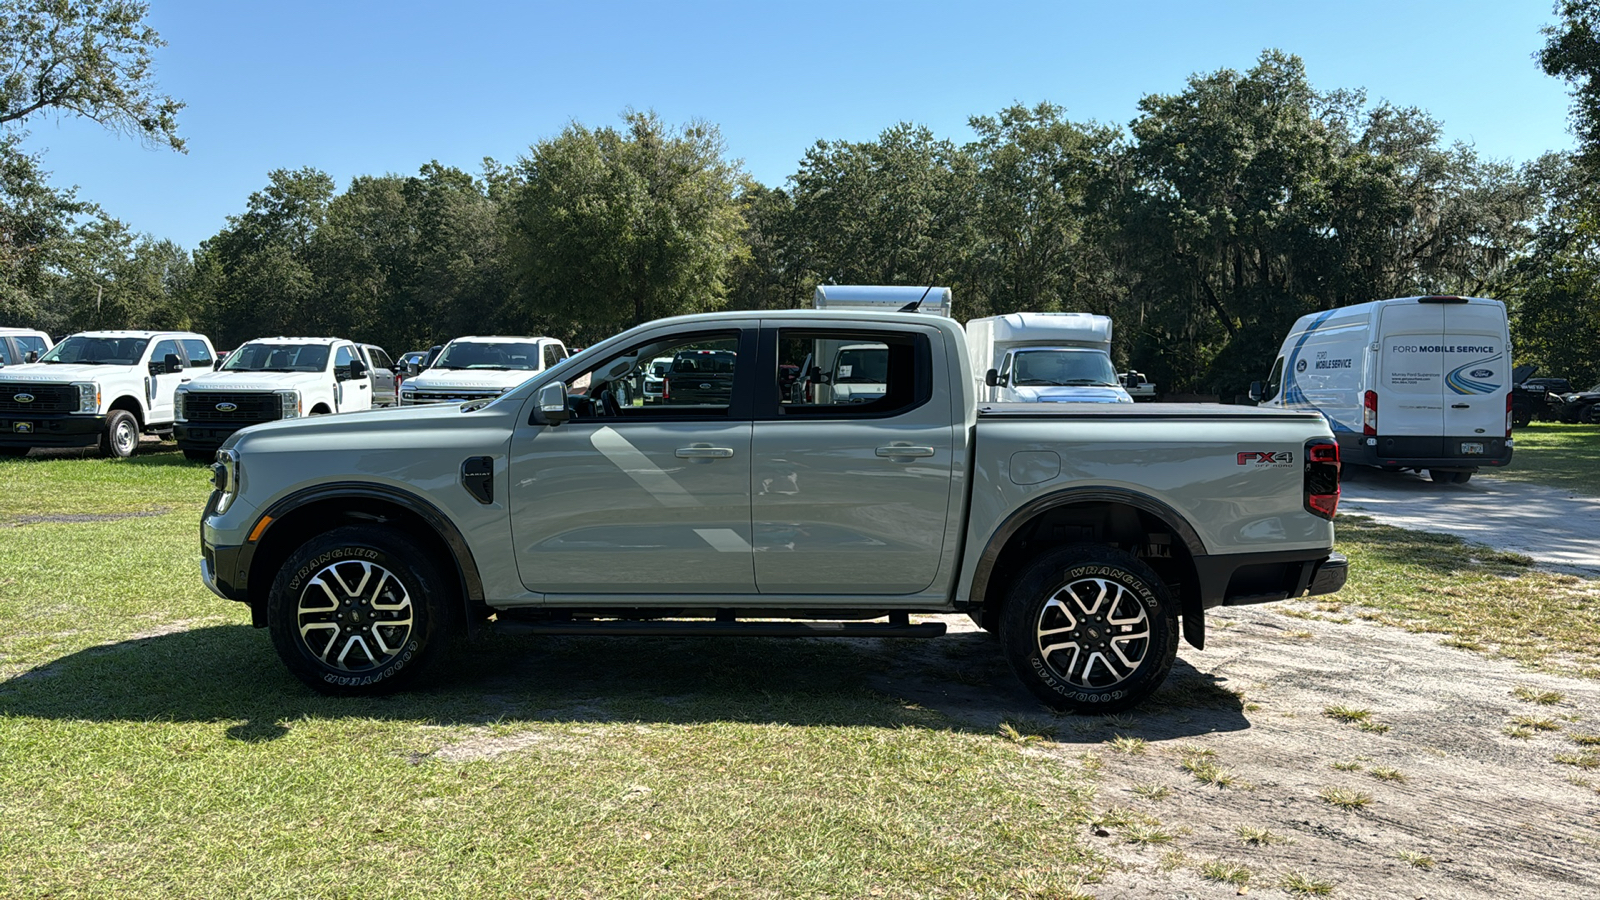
column 612, row 228
column 1572, row 53
column 890, row 211
column 36, row 227
column 90, row 58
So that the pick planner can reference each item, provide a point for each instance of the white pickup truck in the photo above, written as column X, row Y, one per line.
column 99, row 388
column 1082, row 534
column 270, row 379
column 478, row 368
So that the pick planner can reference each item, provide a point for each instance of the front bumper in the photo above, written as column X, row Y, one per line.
column 51, row 430
column 206, row 436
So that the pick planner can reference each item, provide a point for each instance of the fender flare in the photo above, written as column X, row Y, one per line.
column 1192, row 609
column 467, row 567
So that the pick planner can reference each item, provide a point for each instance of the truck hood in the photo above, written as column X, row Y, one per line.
column 1071, row 394
column 258, row 381
column 397, row 419
column 62, row 373
column 468, row 379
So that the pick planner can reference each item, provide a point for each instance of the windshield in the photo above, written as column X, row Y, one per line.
column 1060, row 368
column 484, row 355
column 862, row 365
column 97, row 351
column 278, row 358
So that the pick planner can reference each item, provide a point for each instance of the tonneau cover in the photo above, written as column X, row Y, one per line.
column 1136, row 411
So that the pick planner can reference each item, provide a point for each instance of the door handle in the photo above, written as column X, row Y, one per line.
column 703, row 453
column 1460, row 406
column 904, row 452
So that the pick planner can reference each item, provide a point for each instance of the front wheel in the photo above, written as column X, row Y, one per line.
column 358, row 610
column 121, row 436
column 1090, row 629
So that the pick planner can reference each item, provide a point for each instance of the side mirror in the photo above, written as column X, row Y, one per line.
column 553, row 404
column 32, row 356
column 358, row 369
column 1256, row 390
column 216, row 363
column 992, row 378
column 412, row 368
column 1133, row 380
column 171, row 363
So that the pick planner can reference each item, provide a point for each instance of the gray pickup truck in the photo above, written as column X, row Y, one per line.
column 1083, row 534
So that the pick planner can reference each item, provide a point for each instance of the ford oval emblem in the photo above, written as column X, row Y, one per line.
column 23, row 398
column 705, row 387
column 1482, row 373
column 227, row 407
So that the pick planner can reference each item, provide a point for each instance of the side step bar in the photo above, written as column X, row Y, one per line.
column 680, row 628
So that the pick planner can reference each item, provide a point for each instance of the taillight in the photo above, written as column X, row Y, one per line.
column 1369, row 413
column 1508, row 414
column 1322, row 477
column 666, row 388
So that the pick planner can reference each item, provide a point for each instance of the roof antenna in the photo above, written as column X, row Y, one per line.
column 912, row 307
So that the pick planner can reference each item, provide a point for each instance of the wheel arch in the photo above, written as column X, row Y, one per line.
column 1152, row 530
column 131, row 404
column 312, row 511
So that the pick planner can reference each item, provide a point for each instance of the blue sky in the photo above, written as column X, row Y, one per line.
column 359, row 88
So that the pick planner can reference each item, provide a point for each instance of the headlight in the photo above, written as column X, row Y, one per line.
column 289, row 404
column 88, row 397
column 225, row 477
column 179, row 401
column 408, row 396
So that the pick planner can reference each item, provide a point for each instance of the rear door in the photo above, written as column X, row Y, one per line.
column 850, row 498
column 1477, row 366
column 1411, row 370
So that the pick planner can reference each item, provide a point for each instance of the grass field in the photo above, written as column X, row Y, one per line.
column 151, row 745
column 1564, row 456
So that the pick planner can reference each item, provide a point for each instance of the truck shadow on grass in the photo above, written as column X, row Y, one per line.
column 229, row 675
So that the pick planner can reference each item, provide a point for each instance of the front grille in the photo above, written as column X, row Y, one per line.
column 47, row 398
column 249, row 406
column 453, row 396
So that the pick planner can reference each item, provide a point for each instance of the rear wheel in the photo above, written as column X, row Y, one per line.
column 1590, row 414
column 1449, row 476
column 1090, row 629
column 121, row 436
column 359, row 610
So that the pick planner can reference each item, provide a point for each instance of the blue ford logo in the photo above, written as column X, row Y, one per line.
column 227, row 407
column 23, row 398
column 1482, row 373
column 1300, row 366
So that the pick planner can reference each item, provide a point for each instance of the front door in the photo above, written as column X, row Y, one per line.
column 851, row 495
column 164, row 384
column 629, row 498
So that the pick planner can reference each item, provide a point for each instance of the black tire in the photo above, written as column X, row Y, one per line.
column 1123, row 667
column 1590, row 414
column 199, row 455
column 397, row 626
column 1521, row 417
column 1463, row 477
column 121, row 437
column 14, row 452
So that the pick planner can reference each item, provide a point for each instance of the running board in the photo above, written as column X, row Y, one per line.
column 659, row 628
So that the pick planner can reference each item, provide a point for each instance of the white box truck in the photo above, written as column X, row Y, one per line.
column 1412, row 383
column 1035, row 357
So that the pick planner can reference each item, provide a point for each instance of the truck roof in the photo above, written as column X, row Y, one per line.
column 296, row 340
column 1049, row 327
column 135, row 334
column 500, row 338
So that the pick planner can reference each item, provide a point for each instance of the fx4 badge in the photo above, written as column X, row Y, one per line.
column 1260, row 458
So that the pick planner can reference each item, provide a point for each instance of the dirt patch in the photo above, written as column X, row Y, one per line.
column 1446, row 802
column 79, row 518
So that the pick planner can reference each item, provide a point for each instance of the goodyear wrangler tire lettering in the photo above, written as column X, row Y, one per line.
column 1090, row 629
column 359, row 610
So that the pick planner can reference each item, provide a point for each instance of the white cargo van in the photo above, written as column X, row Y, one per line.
column 1412, row 383
column 1037, row 357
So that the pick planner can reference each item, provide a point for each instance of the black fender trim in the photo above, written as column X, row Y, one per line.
column 471, row 583
column 1193, row 609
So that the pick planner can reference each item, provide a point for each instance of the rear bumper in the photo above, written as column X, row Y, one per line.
column 1408, row 452
column 56, row 430
column 1241, row 579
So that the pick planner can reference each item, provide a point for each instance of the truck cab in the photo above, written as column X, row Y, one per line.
column 99, row 388
column 22, row 345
